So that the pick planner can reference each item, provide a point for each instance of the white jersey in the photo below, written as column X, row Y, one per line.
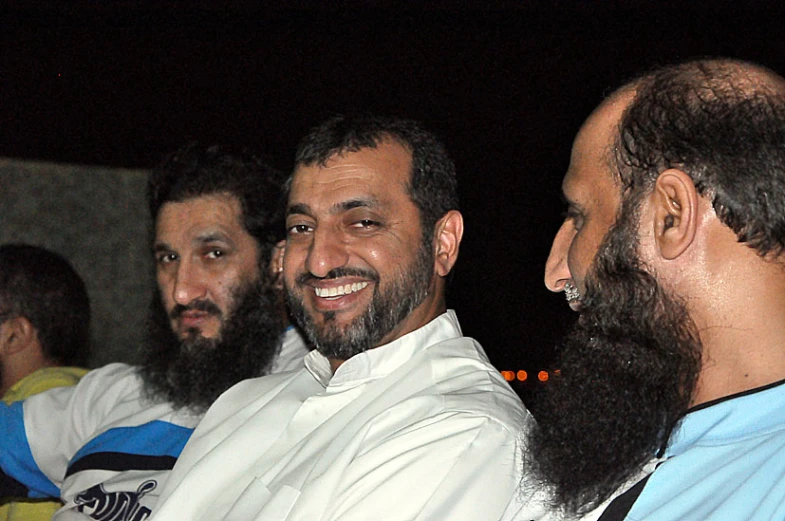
column 101, row 446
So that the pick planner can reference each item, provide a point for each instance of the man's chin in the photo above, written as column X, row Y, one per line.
column 197, row 333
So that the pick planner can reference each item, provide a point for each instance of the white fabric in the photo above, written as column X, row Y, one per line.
column 290, row 355
column 421, row 428
column 104, row 422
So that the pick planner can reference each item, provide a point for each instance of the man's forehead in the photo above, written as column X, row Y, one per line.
column 367, row 169
column 217, row 202
column 601, row 127
column 209, row 214
column 592, row 150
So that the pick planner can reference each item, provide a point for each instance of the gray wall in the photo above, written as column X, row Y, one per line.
column 96, row 217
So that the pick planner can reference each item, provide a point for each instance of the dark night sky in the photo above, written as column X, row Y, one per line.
column 505, row 84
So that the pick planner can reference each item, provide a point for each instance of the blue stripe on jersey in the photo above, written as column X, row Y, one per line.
column 16, row 459
column 157, row 438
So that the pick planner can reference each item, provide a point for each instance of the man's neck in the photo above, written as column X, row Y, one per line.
column 743, row 341
column 335, row 363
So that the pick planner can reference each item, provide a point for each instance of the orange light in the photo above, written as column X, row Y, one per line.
column 542, row 376
column 508, row 375
column 522, row 375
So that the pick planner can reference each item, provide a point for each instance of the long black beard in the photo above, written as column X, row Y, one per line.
column 388, row 308
column 628, row 371
column 194, row 371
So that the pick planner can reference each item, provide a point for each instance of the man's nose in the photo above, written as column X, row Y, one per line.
column 327, row 251
column 557, row 272
column 189, row 284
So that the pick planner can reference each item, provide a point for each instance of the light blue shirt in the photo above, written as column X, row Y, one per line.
column 726, row 461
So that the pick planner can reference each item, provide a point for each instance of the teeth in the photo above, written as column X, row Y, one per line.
column 340, row 290
column 571, row 293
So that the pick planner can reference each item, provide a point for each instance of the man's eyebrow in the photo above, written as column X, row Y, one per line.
column 211, row 236
column 158, row 247
column 572, row 208
column 204, row 238
column 566, row 201
column 298, row 209
column 356, row 203
column 343, row 206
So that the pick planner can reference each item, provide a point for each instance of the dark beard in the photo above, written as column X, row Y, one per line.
column 406, row 291
column 628, row 371
column 194, row 371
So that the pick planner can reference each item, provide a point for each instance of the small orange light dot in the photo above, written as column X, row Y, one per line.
column 522, row 375
column 508, row 375
column 542, row 376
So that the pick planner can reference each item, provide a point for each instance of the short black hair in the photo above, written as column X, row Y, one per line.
column 722, row 122
column 43, row 287
column 433, row 185
column 197, row 170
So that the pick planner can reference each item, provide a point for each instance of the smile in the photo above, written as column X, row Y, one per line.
column 573, row 296
column 340, row 291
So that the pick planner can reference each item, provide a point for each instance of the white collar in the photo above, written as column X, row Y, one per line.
column 381, row 361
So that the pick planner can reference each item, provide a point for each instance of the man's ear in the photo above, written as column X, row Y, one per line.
column 675, row 202
column 448, row 233
column 16, row 335
column 276, row 264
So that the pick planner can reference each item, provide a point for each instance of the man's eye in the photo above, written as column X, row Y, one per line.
column 166, row 258
column 367, row 223
column 215, row 254
column 299, row 228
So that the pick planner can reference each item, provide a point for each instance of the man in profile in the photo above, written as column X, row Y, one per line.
column 44, row 340
column 396, row 415
column 217, row 318
column 670, row 402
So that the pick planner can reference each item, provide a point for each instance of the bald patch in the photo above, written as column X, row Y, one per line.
column 717, row 79
column 599, row 133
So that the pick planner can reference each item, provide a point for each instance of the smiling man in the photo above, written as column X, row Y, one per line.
column 106, row 446
column 381, row 284
column 397, row 415
column 670, row 402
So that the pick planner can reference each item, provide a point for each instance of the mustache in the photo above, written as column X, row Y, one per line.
column 206, row 306
column 305, row 278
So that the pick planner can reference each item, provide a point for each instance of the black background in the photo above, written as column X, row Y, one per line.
column 505, row 84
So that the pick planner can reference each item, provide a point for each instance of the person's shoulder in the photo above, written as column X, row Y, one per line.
column 463, row 383
column 461, row 363
column 42, row 380
column 61, row 375
column 110, row 374
column 110, row 383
